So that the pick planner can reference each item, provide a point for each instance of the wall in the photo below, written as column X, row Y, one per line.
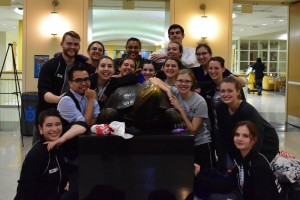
column 186, row 13
column 37, row 41
column 293, row 83
column 5, row 39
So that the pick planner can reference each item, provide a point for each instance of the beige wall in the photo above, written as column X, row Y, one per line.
column 74, row 14
column 293, row 79
column 219, row 13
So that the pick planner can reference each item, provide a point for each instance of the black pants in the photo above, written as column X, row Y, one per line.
column 73, row 193
column 205, row 156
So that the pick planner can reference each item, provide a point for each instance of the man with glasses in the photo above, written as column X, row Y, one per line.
column 176, row 34
column 53, row 81
column 133, row 49
column 79, row 104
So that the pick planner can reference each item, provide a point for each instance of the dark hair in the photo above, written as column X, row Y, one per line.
column 102, row 57
column 127, row 58
column 51, row 112
column 76, row 68
column 152, row 63
column 135, row 40
column 179, row 63
column 237, row 84
column 251, row 127
column 180, row 46
column 192, row 76
column 205, row 46
column 174, row 26
column 71, row 34
column 218, row 59
column 258, row 59
column 96, row 42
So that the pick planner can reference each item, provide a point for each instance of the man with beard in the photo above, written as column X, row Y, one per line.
column 176, row 34
column 53, row 80
column 133, row 48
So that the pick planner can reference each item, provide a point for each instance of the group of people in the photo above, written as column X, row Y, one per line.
column 73, row 89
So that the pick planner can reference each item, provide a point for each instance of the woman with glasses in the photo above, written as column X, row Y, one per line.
column 95, row 51
column 193, row 110
column 203, row 54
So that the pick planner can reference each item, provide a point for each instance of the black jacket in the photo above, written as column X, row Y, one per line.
column 51, row 79
column 43, row 174
column 267, row 137
column 259, row 181
column 259, row 70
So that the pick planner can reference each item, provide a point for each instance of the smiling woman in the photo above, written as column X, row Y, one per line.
column 43, row 174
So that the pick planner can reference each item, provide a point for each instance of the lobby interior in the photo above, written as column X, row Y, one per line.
column 277, row 107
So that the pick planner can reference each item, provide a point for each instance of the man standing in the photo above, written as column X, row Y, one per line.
column 133, row 49
column 53, row 82
column 259, row 68
column 176, row 34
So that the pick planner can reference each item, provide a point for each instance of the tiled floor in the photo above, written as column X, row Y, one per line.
column 270, row 105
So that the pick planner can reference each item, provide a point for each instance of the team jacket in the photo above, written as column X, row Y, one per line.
column 253, row 177
column 43, row 174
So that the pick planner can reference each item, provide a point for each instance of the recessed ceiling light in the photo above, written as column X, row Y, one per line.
column 281, row 20
column 234, row 15
column 239, row 6
column 264, row 24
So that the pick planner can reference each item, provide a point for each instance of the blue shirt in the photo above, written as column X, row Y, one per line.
column 68, row 110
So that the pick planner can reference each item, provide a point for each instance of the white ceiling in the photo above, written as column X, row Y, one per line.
column 113, row 25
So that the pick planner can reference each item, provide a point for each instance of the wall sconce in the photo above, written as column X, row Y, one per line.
column 204, row 23
column 54, row 18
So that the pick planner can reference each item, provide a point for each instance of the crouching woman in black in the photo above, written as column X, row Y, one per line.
column 251, row 175
column 43, row 175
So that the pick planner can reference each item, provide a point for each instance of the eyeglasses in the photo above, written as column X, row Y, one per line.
column 81, row 80
column 133, row 47
column 186, row 82
column 95, row 49
column 202, row 54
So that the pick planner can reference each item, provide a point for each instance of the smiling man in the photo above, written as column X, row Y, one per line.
column 176, row 34
column 53, row 80
column 79, row 104
column 133, row 49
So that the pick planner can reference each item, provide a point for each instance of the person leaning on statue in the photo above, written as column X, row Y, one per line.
column 79, row 104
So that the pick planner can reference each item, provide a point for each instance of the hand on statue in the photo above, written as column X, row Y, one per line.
column 174, row 102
